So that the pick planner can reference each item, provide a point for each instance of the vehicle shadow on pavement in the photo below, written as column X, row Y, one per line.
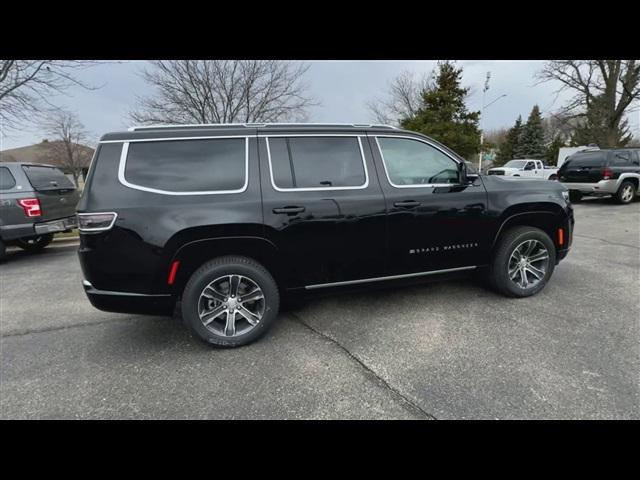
column 16, row 254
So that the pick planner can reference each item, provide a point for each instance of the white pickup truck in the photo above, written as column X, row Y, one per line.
column 526, row 169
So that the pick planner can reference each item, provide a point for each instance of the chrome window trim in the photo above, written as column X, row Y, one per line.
column 123, row 164
column 97, row 229
column 390, row 277
column 425, row 185
column 167, row 139
column 317, row 189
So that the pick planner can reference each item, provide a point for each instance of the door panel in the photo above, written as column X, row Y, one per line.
column 340, row 234
column 431, row 226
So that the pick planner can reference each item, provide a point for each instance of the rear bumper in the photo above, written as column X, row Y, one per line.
column 129, row 302
column 14, row 232
column 25, row 230
column 603, row 187
column 54, row 226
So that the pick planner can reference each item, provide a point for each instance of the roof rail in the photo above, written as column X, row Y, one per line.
column 254, row 125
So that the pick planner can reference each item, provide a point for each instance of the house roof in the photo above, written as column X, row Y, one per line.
column 42, row 153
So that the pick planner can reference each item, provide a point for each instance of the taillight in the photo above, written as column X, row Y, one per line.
column 31, row 207
column 96, row 222
column 607, row 173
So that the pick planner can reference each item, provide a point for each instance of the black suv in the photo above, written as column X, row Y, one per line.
column 228, row 218
column 602, row 173
column 36, row 201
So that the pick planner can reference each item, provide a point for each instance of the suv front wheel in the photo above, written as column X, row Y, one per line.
column 230, row 301
column 523, row 262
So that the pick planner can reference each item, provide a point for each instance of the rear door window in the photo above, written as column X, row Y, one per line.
column 184, row 167
column 317, row 162
column 591, row 159
column 47, row 178
column 7, row 181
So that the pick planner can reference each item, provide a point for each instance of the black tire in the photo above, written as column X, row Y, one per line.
column 3, row 250
column 553, row 177
column 35, row 244
column 575, row 196
column 626, row 193
column 499, row 269
column 220, row 267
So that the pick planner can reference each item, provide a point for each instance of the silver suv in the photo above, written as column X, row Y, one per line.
column 36, row 201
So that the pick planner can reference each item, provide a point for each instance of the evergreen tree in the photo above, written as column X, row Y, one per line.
column 531, row 144
column 510, row 145
column 553, row 149
column 596, row 127
column 443, row 114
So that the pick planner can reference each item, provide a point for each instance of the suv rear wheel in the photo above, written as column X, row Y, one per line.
column 2, row 250
column 35, row 244
column 626, row 192
column 523, row 262
column 230, row 301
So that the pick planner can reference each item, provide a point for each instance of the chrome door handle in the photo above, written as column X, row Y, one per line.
column 289, row 210
column 407, row 204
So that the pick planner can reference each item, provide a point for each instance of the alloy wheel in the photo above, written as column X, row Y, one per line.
column 528, row 264
column 627, row 193
column 231, row 305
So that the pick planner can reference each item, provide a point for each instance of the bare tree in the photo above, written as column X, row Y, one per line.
column 68, row 147
column 223, row 91
column 403, row 100
column 494, row 138
column 26, row 87
column 604, row 91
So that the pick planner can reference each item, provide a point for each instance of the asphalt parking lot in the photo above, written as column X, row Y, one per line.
column 448, row 350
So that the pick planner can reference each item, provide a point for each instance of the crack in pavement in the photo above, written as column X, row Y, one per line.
column 19, row 333
column 409, row 404
column 607, row 241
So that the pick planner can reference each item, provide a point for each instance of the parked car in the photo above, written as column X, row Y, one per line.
column 602, row 173
column 36, row 201
column 227, row 219
column 526, row 169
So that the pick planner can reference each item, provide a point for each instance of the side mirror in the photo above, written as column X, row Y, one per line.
column 462, row 173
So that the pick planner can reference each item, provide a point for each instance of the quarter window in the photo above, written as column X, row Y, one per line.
column 621, row 159
column 6, row 179
column 411, row 162
column 317, row 162
column 188, row 166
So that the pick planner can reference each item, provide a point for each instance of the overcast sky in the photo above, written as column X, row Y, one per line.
column 342, row 87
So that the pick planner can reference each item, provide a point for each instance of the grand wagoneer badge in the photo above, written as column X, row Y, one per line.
column 456, row 246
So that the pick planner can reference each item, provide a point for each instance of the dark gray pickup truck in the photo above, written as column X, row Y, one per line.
column 36, row 201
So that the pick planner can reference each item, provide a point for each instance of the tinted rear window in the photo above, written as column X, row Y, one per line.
column 592, row 159
column 6, row 179
column 316, row 162
column 216, row 165
column 47, row 178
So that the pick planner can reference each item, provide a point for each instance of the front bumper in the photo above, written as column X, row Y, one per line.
column 603, row 187
column 129, row 302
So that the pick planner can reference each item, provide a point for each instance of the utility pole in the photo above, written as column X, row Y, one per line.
column 484, row 92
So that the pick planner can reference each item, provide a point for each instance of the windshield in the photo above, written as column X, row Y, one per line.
column 515, row 163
